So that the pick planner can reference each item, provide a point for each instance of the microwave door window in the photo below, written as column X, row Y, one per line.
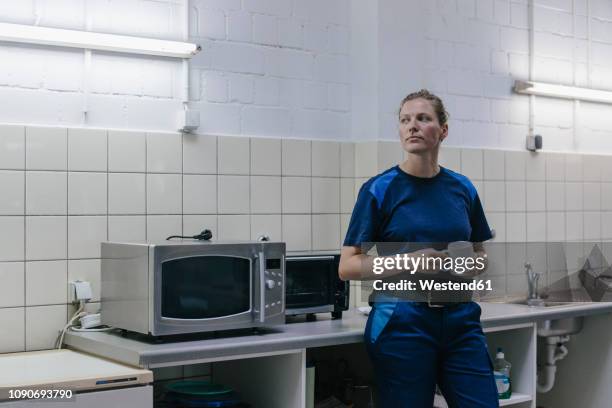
column 205, row 287
column 309, row 284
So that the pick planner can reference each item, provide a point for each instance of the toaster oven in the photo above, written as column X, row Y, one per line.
column 313, row 285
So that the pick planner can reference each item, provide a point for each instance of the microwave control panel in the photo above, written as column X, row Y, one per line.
column 274, row 286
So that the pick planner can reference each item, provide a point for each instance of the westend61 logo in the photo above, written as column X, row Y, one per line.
column 412, row 264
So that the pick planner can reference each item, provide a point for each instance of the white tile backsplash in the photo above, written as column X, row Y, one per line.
column 297, row 231
column 574, row 226
column 573, row 167
column 347, row 160
column 164, row 152
column 12, row 147
column 84, row 236
column 13, row 329
column 555, row 167
column 46, row 237
column 536, row 226
column 325, row 159
column 233, row 194
column 11, row 238
column 126, row 151
column 555, row 226
column 494, row 196
column 296, row 157
column 234, row 227
column 194, row 224
column 296, row 195
column 159, row 227
column 46, row 148
column 43, row 324
column 46, row 282
column 472, row 163
column 46, row 192
column 573, row 196
column 515, row 196
column 555, row 196
column 494, row 165
column 12, row 197
column 591, row 167
column 591, row 199
column 126, row 193
column 535, row 167
column 265, row 157
column 325, row 195
column 347, row 195
column 199, row 154
column 326, row 231
column 450, row 158
column 199, row 194
column 87, row 150
column 515, row 165
column 12, row 289
column 265, row 194
column 158, row 185
column 592, row 225
column 516, row 227
column 87, row 193
column 234, row 155
column 266, row 224
column 606, row 196
column 536, row 195
column 127, row 228
column 164, row 194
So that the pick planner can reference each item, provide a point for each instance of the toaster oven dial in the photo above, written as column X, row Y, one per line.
column 270, row 284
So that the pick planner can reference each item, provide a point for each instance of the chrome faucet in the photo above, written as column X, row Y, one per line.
column 533, row 298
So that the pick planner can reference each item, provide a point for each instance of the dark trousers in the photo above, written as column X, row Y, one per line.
column 413, row 347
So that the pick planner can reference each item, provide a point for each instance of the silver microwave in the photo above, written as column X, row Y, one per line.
column 180, row 287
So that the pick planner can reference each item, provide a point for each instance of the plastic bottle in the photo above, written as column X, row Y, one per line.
column 502, row 375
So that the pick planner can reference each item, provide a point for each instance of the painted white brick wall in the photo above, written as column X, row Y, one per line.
column 273, row 58
column 287, row 63
column 470, row 52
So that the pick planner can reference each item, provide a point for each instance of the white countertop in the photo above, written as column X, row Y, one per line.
column 65, row 369
column 323, row 332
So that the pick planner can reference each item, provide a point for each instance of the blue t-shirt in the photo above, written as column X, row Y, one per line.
column 397, row 207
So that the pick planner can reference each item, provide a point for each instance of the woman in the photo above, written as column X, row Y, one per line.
column 417, row 339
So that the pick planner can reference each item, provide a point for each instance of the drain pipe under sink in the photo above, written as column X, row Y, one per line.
column 555, row 351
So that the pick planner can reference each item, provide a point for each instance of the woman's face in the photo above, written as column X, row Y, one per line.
column 419, row 128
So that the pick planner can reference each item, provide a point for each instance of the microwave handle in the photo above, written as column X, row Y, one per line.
column 262, row 288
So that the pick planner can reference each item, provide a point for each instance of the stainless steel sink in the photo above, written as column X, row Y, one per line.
column 540, row 303
column 560, row 327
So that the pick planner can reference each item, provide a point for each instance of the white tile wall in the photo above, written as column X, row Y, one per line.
column 12, row 289
column 46, row 282
column 12, row 198
column 13, row 323
column 54, row 214
column 12, row 147
column 46, row 148
column 87, row 150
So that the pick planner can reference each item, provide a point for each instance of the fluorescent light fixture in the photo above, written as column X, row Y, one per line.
column 562, row 91
column 95, row 41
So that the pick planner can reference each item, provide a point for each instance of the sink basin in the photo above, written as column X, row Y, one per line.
column 560, row 327
column 540, row 303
